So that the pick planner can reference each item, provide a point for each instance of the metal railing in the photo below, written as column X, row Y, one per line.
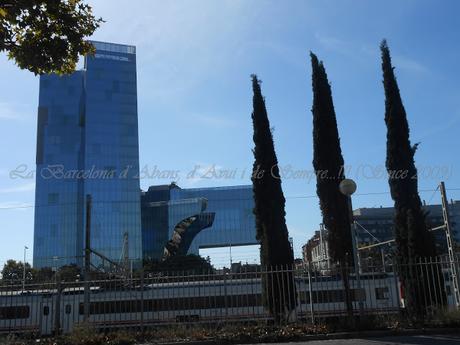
column 279, row 294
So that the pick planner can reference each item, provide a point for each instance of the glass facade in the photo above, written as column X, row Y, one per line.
column 87, row 143
column 160, row 215
column 155, row 220
column 234, row 222
column 233, row 225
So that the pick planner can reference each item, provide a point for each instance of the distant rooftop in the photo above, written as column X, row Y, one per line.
column 196, row 189
column 244, row 186
column 176, row 202
column 163, row 187
column 384, row 211
column 114, row 47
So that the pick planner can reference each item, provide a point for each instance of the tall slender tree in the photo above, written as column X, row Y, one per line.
column 272, row 233
column 413, row 240
column 329, row 168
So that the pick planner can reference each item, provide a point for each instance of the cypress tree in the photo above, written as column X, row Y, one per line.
column 272, row 233
column 413, row 240
column 328, row 164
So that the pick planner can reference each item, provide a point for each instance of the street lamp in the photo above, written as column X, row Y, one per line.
column 24, row 270
column 347, row 187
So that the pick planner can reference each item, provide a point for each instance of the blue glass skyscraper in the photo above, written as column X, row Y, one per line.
column 87, row 143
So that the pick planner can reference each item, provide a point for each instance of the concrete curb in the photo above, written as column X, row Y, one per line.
column 328, row 336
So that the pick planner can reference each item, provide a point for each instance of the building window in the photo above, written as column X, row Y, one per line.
column 53, row 231
column 55, row 139
column 65, row 120
column 53, row 198
column 40, row 241
column 116, row 86
column 381, row 293
column 96, row 231
column 11, row 313
column 96, row 148
column 109, row 171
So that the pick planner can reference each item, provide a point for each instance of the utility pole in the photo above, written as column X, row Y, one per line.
column 87, row 257
column 321, row 243
column 450, row 247
column 231, row 261
column 55, row 268
column 24, row 270
column 126, row 264
column 322, row 246
column 382, row 253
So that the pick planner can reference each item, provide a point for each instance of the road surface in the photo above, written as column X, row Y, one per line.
column 396, row 340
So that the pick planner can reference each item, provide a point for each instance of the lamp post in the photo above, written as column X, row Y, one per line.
column 347, row 187
column 24, row 270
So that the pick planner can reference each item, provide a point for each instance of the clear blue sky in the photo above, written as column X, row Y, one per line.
column 194, row 94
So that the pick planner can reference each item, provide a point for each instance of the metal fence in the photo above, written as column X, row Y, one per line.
column 316, row 294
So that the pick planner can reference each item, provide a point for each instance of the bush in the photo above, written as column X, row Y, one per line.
column 450, row 318
column 83, row 334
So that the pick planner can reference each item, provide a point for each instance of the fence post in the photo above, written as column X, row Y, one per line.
column 310, row 291
column 225, row 295
column 294, row 289
column 395, row 277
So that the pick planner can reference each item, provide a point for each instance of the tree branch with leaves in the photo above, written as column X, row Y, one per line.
column 46, row 36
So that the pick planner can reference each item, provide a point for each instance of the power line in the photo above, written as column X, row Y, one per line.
column 15, row 207
column 432, row 195
column 220, row 199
